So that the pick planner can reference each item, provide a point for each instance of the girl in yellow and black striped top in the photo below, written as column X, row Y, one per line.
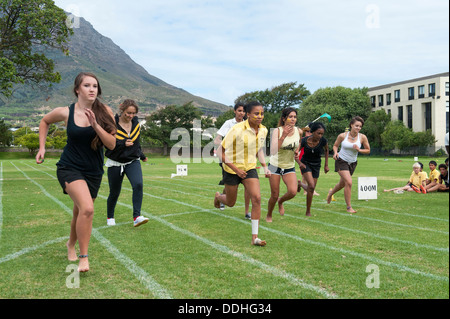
column 125, row 160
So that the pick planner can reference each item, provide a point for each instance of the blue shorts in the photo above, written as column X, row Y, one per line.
column 280, row 171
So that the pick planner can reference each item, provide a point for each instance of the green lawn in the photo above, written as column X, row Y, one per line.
column 191, row 250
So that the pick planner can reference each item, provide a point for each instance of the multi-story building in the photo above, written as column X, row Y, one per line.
column 422, row 104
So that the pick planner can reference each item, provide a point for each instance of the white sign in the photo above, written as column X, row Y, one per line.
column 367, row 188
column 182, row 170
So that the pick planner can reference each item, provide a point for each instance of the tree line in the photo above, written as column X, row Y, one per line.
column 340, row 102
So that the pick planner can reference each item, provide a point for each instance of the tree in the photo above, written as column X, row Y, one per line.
column 27, row 29
column 164, row 121
column 279, row 97
column 5, row 134
column 341, row 103
column 397, row 135
column 375, row 126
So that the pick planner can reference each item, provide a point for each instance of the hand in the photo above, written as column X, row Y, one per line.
column 336, row 156
column 145, row 159
column 326, row 169
column 129, row 143
column 91, row 117
column 267, row 172
column 242, row 174
column 287, row 130
column 40, row 157
column 355, row 147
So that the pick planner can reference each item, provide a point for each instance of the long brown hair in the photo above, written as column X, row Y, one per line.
column 101, row 113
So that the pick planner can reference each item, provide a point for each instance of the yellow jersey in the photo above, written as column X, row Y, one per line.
column 417, row 179
column 242, row 145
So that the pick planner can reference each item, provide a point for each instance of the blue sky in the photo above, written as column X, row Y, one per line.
column 222, row 49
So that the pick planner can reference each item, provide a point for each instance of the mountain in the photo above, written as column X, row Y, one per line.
column 119, row 76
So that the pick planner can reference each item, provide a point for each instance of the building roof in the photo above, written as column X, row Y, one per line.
column 409, row 81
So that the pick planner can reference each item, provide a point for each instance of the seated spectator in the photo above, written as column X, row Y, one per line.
column 434, row 175
column 443, row 184
column 417, row 182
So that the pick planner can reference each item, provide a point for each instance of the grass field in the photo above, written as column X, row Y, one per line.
column 190, row 250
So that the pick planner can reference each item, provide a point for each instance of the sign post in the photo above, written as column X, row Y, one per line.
column 367, row 188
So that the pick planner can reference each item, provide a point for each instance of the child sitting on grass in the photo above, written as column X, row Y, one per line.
column 434, row 175
column 443, row 185
column 416, row 183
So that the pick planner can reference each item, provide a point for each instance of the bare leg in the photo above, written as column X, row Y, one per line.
column 252, row 185
column 291, row 183
column 81, row 226
column 310, row 191
column 274, row 181
column 229, row 198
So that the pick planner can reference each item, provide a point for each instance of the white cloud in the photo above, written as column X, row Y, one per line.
column 221, row 49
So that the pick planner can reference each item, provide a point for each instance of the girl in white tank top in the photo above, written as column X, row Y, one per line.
column 347, row 152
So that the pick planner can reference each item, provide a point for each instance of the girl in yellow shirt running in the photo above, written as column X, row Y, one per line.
column 240, row 149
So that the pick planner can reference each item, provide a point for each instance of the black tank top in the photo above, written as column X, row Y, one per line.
column 78, row 153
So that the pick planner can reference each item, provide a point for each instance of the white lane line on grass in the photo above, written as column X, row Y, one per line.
column 308, row 241
column 272, row 270
column 325, row 203
column 31, row 249
column 347, row 215
column 342, row 214
column 355, row 230
column 43, row 245
column 407, row 242
column 146, row 279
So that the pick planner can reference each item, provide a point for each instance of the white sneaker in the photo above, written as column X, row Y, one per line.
column 141, row 220
column 222, row 206
column 111, row 222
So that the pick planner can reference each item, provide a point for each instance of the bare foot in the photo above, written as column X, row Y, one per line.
column 329, row 197
column 308, row 213
column 351, row 210
column 280, row 208
column 268, row 219
column 216, row 200
column 71, row 253
column 316, row 194
column 83, row 265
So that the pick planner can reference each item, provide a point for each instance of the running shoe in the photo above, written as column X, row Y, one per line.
column 424, row 191
column 141, row 220
column 111, row 222
column 415, row 188
column 222, row 206
column 248, row 216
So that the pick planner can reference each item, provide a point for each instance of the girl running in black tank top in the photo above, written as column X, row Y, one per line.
column 90, row 125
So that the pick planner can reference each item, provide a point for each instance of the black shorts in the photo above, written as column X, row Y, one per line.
column 69, row 175
column 233, row 179
column 314, row 169
column 341, row 165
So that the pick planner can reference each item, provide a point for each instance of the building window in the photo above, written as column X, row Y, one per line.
column 421, row 91
column 389, row 112
column 400, row 113
column 380, row 100
column 410, row 116
column 447, row 88
column 428, row 122
column 432, row 89
column 411, row 93
column 372, row 101
column 388, row 99
column 397, row 95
